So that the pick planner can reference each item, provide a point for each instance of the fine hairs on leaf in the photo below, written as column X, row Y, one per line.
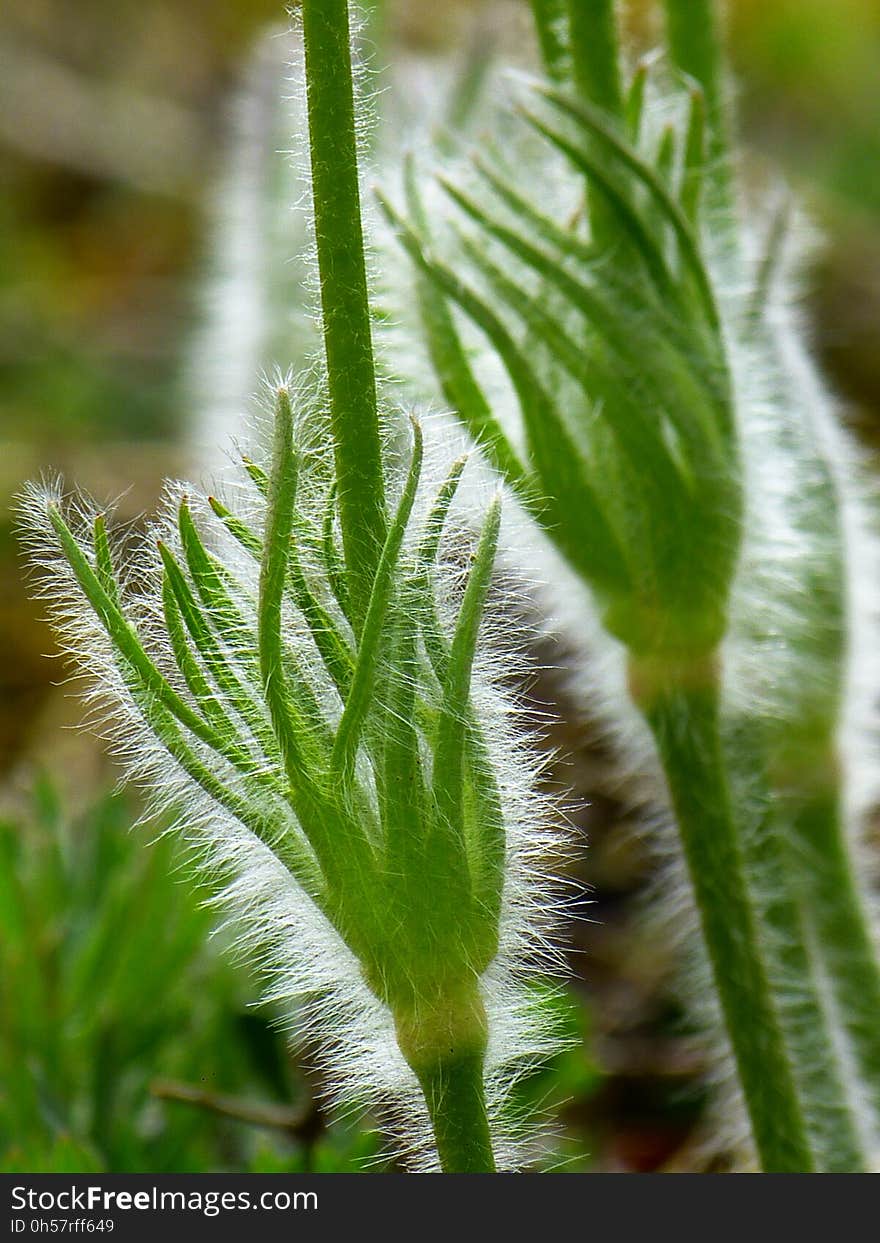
column 305, row 667
column 315, row 850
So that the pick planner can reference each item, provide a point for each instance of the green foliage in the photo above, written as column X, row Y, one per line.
column 109, row 986
column 326, row 706
column 621, row 333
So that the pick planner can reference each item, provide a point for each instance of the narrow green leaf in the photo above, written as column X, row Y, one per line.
column 636, row 428
column 486, row 842
column 670, row 380
column 695, row 46
column 429, row 545
column 402, row 787
column 664, row 163
column 198, row 684
column 280, row 506
column 339, row 841
column 104, row 560
column 570, row 510
column 635, row 103
column 629, row 226
column 289, row 847
column 596, row 53
column 257, row 476
column 626, row 286
column 450, row 745
column 540, row 226
column 215, row 657
column 666, row 154
column 123, row 635
column 599, row 311
column 551, row 25
column 448, row 356
column 333, row 564
column 594, row 124
column 426, row 559
column 467, row 92
column 362, row 687
column 328, row 639
column 238, row 529
column 214, row 586
column 694, row 158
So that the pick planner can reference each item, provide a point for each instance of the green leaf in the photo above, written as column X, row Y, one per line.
column 596, row 53
column 448, row 356
column 286, row 720
column 333, row 564
column 124, row 636
column 635, row 102
column 694, row 158
column 570, row 509
column 104, row 560
column 362, row 687
column 448, row 784
column 593, row 124
column 551, row 24
column 329, row 641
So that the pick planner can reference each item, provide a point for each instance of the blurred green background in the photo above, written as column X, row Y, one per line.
column 127, row 1040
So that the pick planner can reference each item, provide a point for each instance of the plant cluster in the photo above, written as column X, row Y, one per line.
column 311, row 652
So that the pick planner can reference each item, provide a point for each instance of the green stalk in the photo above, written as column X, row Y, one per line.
column 346, row 319
column 682, row 708
column 456, row 1101
column 696, row 48
column 786, row 919
column 833, row 902
column 445, row 1045
column 595, row 69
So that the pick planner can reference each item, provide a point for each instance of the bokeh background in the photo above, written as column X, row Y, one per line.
column 128, row 1041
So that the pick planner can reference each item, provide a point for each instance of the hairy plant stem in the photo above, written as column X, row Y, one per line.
column 446, row 1047
column 792, row 953
column 346, row 319
column 681, row 706
column 834, row 906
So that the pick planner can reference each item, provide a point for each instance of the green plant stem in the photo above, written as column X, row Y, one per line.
column 695, row 46
column 834, row 905
column 346, row 310
column 682, row 709
column 786, row 921
column 445, row 1045
column 456, row 1101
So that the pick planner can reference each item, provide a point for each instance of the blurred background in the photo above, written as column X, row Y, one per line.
column 127, row 1040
